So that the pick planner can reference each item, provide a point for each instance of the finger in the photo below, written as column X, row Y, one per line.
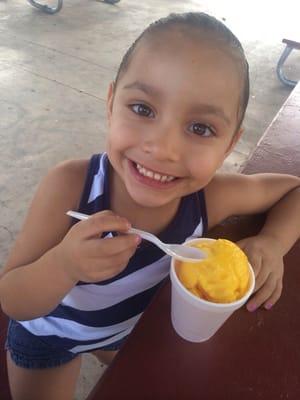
column 261, row 278
column 102, row 222
column 109, row 267
column 111, row 246
column 97, row 262
column 256, row 263
column 275, row 296
column 121, row 260
column 254, row 258
column 241, row 243
column 262, row 294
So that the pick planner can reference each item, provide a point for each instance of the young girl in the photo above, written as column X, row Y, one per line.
column 174, row 114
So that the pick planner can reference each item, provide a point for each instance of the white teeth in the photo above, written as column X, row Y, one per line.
column 149, row 174
column 154, row 175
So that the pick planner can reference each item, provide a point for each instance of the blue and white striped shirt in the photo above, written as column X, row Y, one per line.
column 100, row 314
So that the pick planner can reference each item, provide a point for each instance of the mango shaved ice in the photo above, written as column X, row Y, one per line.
column 221, row 278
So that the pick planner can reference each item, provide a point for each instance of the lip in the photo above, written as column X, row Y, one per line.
column 144, row 180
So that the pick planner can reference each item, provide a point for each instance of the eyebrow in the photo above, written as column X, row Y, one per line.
column 211, row 109
column 143, row 87
column 202, row 108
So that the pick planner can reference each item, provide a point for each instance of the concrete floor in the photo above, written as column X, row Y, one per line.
column 54, row 72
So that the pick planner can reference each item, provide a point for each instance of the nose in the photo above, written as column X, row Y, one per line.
column 163, row 143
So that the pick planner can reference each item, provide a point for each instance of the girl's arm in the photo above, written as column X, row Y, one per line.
column 35, row 289
column 283, row 221
column 34, row 280
column 266, row 250
column 49, row 257
column 238, row 194
column 280, row 194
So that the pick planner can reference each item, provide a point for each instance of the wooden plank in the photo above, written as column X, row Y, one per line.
column 279, row 148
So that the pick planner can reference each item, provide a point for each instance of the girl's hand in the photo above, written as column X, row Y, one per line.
column 266, row 257
column 87, row 257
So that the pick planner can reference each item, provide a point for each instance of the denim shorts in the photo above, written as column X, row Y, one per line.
column 32, row 352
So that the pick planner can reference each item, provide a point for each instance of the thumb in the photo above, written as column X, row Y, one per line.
column 242, row 243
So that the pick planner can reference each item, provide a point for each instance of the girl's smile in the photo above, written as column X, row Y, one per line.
column 147, row 176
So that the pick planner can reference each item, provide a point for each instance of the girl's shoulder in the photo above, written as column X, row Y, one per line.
column 62, row 186
column 58, row 192
column 68, row 176
column 221, row 194
column 70, row 168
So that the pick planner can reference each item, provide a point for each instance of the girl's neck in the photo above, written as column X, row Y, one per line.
column 151, row 219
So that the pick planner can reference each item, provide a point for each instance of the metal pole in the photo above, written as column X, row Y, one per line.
column 45, row 8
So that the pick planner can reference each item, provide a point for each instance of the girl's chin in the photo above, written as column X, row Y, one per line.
column 150, row 200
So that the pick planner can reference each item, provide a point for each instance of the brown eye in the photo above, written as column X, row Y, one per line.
column 201, row 129
column 143, row 110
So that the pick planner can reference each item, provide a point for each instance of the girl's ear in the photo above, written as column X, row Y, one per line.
column 110, row 100
column 234, row 140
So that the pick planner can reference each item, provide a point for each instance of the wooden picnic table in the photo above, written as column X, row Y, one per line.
column 254, row 355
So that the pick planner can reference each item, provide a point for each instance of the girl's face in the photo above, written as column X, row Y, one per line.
column 172, row 119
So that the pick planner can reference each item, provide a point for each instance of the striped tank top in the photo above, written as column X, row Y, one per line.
column 95, row 315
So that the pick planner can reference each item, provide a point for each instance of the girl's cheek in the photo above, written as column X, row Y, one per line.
column 203, row 164
column 120, row 139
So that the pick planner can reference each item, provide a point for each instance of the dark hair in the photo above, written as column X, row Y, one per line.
column 209, row 27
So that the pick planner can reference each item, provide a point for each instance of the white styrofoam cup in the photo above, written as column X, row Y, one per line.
column 195, row 319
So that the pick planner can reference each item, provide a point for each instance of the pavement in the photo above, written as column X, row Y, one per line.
column 54, row 74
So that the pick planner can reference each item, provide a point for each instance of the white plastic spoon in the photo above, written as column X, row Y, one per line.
column 179, row 251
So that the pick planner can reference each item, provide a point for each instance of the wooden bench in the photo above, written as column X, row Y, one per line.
column 290, row 46
column 142, row 368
